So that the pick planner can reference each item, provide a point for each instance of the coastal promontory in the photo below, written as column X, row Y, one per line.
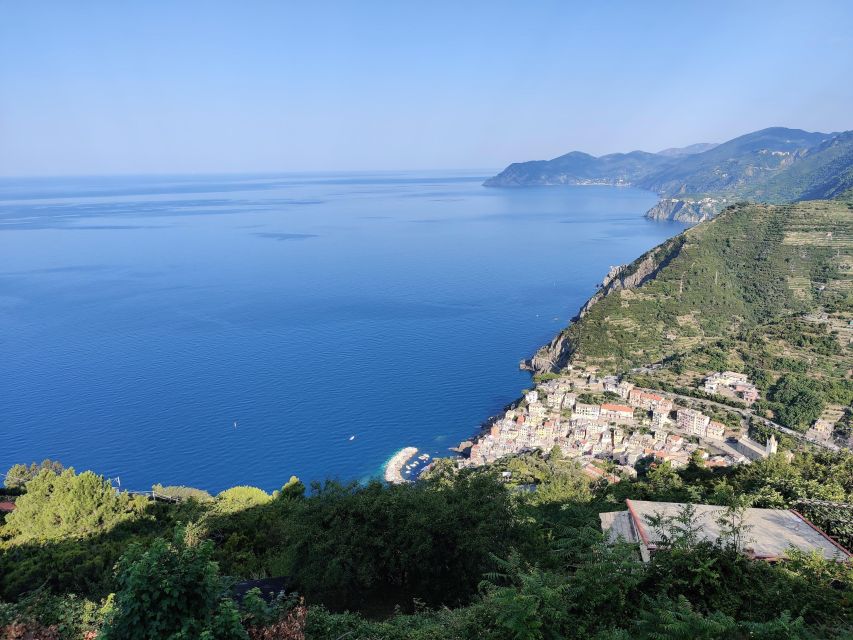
column 773, row 165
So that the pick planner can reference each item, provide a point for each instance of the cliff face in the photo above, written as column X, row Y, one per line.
column 686, row 210
column 754, row 265
column 556, row 354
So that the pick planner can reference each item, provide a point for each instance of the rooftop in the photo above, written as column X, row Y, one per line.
column 769, row 532
column 617, row 407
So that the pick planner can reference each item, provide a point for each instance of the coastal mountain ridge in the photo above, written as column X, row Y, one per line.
column 690, row 149
column 757, row 270
column 695, row 183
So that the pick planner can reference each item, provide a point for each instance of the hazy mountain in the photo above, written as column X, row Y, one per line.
column 689, row 150
column 735, row 164
column 825, row 171
column 696, row 182
column 577, row 167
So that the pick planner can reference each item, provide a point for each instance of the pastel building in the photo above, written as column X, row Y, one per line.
column 692, row 421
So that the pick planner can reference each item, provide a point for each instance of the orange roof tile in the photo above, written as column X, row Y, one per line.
column 617, row 407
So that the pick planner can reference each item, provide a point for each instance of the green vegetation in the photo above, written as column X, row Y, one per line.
column 240, row 498
column 171, row 590
column 482, row 553
column 65, row 505
column 20, row 474
column 182, row 493
column 510, row 562
column 772, row 165
column 800, row 401
column 767, row 290
column 599, row 398
column 544, row 377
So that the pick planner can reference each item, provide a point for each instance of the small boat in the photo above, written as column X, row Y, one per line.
column 235, row 424
column 352, row 438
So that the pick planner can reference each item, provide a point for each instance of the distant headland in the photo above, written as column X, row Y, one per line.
column 695, row 183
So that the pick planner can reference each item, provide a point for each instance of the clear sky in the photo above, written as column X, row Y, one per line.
column 91, row 87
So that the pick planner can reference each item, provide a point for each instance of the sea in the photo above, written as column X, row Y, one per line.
column 214, row 331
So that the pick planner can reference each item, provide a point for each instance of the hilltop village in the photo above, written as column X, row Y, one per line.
column 608, row 425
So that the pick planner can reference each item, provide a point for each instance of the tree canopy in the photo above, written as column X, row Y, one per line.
column 62, row 505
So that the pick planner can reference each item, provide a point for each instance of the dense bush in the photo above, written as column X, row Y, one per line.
column 57, row 506
column 182, row 493
column 799, row 399
column 172, row 591
column 513, row 563
column 240, row 498
column 20, row 474
column 376, row 545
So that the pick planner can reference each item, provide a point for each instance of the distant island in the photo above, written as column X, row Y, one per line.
column 695, row 183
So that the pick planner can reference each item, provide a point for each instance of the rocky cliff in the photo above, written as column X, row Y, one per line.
column 686, row 209
column 556, row 354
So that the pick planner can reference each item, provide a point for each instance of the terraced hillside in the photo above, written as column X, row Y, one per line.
column 763, row 289
column 752, row 266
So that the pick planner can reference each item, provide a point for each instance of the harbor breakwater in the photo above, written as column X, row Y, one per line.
column 394, row 467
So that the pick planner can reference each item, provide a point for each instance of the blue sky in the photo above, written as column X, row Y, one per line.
column 162, row 87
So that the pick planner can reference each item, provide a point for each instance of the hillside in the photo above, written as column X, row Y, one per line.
column 581, row 168
column 690, row 149
column 732, row 166
column 772, row 165
column 826, row 172
column 766, row 290
column 753, row 264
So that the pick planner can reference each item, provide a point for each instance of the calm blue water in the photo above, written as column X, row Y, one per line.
column 140, row 317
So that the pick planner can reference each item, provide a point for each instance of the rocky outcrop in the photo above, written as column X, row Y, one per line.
column 556, row 354
column 686, row 210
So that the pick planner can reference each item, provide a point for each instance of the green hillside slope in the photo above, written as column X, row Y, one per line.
column 729, row 168
column 752, row 266
column 824, row 172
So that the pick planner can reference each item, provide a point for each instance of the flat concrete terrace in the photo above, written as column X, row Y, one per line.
column 769, row 532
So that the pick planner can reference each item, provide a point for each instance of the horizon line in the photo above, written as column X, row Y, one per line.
column 248, row 173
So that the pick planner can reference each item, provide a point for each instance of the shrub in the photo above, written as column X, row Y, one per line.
column 171, row 590
column 240, row 498
column 63, row 505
